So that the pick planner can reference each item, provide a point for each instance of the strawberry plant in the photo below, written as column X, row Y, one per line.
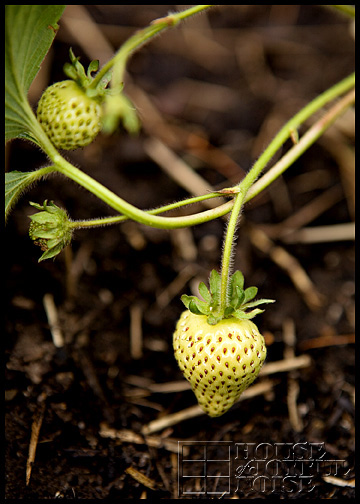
column 217, row 346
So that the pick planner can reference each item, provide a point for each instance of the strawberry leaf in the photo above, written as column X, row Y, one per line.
column 29, row 33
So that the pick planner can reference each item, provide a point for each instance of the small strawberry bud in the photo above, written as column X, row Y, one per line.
column 50, row 229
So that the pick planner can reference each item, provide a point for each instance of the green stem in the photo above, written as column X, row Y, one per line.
column 228, row 248
column 121, row 206
column 304, row 143
column 143, row 217
column 131, row 211
column 309, row 138
column 139, row 39
column 117, row 219
column 287, row 160
column 293, row 124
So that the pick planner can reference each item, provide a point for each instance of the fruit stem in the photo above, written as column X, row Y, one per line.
column 228, row 249
column 244, row 186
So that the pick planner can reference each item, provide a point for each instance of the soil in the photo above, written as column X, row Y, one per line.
column 223, row 85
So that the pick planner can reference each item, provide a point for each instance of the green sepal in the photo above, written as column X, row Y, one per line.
column 76, row 71
column 204, row 291
column 257, row 303
column 215, row 287
column 195, row 305
column 238, row 300
column 237, row 280
column 229, row 310
column 242, row 315
column 186, row 300
column 93, row 67
column 250, row 293
column 117, row 108
column 213, row 319
column 50, row 229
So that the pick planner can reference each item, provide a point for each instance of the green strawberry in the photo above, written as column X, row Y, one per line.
column 220, row 361
column 68, row 116
column 220, row 355
column 69, row 111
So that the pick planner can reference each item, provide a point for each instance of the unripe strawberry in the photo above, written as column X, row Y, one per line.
column 219, row 355
column 220, row 361
column 68, row 116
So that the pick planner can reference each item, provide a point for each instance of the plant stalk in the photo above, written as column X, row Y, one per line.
column 138, row 40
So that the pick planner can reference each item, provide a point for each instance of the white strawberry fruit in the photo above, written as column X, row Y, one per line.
column 220, row 355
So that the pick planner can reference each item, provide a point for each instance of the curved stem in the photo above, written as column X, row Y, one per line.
column 117, row 219
column 293, row 124
column 308, row 139
column 139, row 39
column 130, row 211
column 260, row 185
column 304, row 143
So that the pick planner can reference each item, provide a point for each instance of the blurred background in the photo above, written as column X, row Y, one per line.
column 211, row 94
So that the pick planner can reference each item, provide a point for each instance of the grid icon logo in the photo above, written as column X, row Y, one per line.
column 204, row 468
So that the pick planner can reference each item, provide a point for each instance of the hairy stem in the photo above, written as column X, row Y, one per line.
column 308, row 139
column 228, row 248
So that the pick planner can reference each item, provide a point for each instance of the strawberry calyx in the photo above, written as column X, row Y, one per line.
column 50, row 229
column 76, row 71
column 116, row 107
column 240, row 302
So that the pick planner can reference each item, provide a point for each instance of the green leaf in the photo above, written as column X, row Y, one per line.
column 15, row 183
column 29, row 33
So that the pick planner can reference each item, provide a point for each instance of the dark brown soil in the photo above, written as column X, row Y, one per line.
column 223, row 91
